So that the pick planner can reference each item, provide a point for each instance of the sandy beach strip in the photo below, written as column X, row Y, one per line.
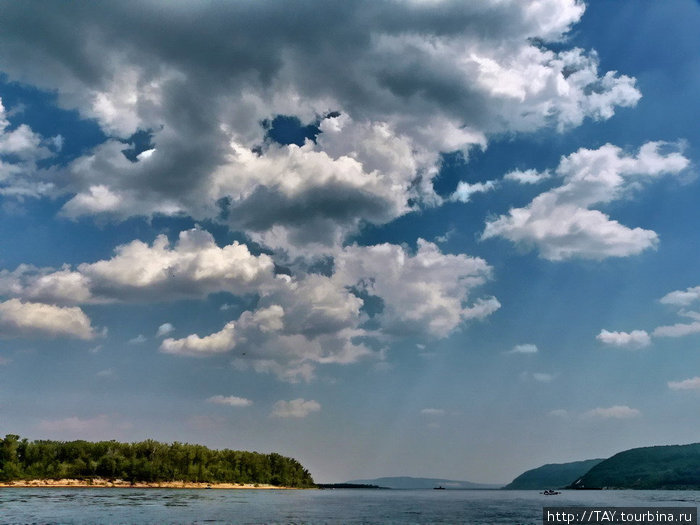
column 120, row 483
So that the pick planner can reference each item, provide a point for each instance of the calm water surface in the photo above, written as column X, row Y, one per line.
column 160, row 506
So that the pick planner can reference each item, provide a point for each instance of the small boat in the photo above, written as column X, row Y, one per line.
column 549, row 492
column 439, row 487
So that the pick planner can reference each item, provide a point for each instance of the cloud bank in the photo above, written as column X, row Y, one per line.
column 382, row 95
column 392, row 86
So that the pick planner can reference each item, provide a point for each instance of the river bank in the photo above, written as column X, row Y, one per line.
column 120, row 483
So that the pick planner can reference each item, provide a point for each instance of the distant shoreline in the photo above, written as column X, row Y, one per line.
column 120, row 483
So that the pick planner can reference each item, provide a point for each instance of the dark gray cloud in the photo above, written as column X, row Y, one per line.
column 411, row 79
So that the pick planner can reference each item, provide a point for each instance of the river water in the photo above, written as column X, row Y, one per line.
column 170, row 506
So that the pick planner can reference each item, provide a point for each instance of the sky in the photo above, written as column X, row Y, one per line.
column 433, row 238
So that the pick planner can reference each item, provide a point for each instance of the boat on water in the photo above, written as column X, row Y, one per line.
column 549, row 492
column 439, row 487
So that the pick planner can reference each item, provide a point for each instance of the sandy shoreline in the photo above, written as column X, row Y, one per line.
column 119, row 483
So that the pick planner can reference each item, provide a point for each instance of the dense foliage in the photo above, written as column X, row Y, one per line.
column 145, row 461
column 666, row 467
column 552, row 476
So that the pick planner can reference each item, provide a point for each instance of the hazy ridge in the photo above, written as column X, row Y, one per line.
column 407, row 482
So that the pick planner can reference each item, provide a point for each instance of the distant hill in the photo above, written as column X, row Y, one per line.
column 346, row 486
column 661, row 467
column 405, row 482
column 552, row 476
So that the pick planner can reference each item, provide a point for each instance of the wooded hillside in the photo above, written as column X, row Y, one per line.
column 661, row 467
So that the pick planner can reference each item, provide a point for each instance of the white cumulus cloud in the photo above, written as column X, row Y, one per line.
column 465, row 190
column 561, row 224
column 196, row 346
column 233, row 401
column 425, row 292
column 633, row 340
column 524, row 349
column 21, row 148
column 194, row 266
column 29, row 319
column 297, row 408
column 613, row 412
column 682, row 297
column 164, row 329
column 309, row 320
column 677, row 330
column 686, row 384
column 527, row 176
column 641, row 338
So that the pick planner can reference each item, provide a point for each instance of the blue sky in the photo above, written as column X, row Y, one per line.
column 444, row 239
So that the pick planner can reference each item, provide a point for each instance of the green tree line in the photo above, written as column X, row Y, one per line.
column 145, row 461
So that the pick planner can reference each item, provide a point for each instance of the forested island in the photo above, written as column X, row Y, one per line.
column 145, row 461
